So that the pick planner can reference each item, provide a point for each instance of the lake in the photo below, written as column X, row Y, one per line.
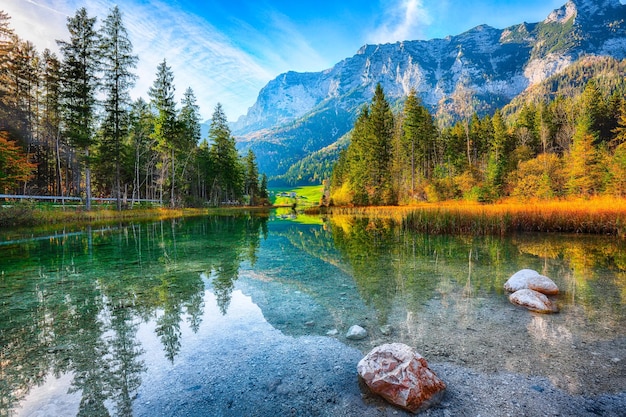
column 247, row 315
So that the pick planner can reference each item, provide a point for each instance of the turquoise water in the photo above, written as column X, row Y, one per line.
column 135, row 319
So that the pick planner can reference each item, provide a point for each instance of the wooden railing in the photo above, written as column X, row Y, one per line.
column 65, row 198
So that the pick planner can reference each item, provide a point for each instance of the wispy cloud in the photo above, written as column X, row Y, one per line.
column 201, row 56
column 295, row 51
column 404, row 20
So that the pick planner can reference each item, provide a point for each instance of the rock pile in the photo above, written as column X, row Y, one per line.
column 529, row 289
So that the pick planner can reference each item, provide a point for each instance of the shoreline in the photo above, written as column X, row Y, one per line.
column 599, row 216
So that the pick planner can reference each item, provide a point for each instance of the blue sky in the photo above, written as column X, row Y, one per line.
column 227, row 50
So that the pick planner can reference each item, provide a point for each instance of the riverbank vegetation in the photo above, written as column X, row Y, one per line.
column 29, row 213
column 69, row 128
column 567, row 142
column 601, row 215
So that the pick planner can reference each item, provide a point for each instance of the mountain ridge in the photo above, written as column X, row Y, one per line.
column 492, row 65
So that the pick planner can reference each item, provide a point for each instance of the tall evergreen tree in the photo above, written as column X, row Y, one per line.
column 227, row 183
column 22, row 90
column 593, row 107
column 8, row 40
column 582, row 161
column 141, row 142
column 416, row 143
column 263, row 193
column 497, row 159
column 117, row 62
column 357, row 161
column 365, row 169
column 620, row 131
column 381, row 125
column 79, row 69
column 203, row 170
column 165, row 124
column 251, row 183
column 51, row 114
column 188, row 137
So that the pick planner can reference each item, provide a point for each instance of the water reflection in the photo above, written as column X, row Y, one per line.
column 72, row 305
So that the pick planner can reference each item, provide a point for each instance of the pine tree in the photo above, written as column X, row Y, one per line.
column 117, row 62
column 381, row 127
column 51, row 117
column 165, row 124
column 498, row 155
column 79, row 68
column 620, row 131
column 416, row 142
column 203, row 170
column 263, row 193
column 357, row 162
column 8, row 40
column 582, row 161
column 141, row 143
column 593, row 107
column 410, row 135
column 189, row 135
column 227, row 183
column 252, row 178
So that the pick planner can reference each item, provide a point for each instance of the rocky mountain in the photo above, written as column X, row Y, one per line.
column 484, row 68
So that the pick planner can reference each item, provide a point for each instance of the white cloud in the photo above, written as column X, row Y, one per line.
column 201, row 57
column 406, row 20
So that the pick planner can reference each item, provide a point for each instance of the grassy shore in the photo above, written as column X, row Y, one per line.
column 596, row 216
column 30, row 214
column 36, row 214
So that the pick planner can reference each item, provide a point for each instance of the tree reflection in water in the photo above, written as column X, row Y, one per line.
column 72, row 303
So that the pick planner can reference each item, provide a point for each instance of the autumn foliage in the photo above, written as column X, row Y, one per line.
column 14, row 165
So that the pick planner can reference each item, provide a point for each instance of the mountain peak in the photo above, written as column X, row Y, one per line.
column 586, row 8
column 595, row 5
column 298, row 113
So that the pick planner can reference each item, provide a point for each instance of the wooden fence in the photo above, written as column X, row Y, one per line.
column 65, row 198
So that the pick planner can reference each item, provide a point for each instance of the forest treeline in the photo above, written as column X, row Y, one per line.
column 559, row 146
column 68, row 126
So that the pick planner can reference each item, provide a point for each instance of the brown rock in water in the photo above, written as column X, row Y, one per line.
column 528, row 278
column 399, row 374
column 533, row 300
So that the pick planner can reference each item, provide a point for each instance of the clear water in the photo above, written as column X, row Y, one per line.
column 158, row 318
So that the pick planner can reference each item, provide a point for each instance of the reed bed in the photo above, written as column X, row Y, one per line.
column 593, row 216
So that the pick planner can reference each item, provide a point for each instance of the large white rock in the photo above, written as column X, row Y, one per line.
column 356, row 332
column 400, row 375
column 533, row 300
column 528, row 278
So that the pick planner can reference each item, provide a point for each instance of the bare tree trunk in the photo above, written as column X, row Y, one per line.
column 161, row 181
column 87, row 182
column 172, row 201
column 59, row 188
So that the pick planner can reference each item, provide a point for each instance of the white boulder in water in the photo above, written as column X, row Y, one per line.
column 533, row 300
column 530, row 279
column 356, row 333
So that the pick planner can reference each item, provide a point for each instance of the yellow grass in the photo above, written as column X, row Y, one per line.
column 603, row 215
